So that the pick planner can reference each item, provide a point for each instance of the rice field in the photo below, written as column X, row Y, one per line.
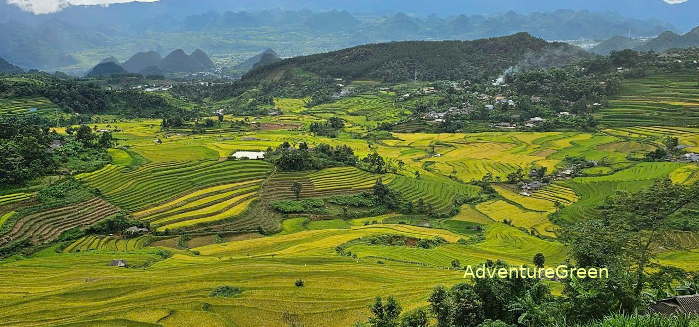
column 46, row 226
column 593, row 190
column 14, row 198
column 185, row 185
column 323, row 183
column 440, row 195
column 107, row 243
column 23, row 106
column 666, row 99
column 156, row 183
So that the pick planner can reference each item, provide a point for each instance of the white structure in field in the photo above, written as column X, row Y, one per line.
column 252, row 155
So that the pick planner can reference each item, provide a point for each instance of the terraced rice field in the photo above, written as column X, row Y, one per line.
column 22, row 106
column 203, row 206
column 172, row 292
column 107, row 243
column 593, row 190
column 47, row 225
column 688, row 137
column 667, row 99
column 556, row 193
column 154, row 184
column 438, row 194
column 323, row 183
column 14, row 198
column 373, row 107
column 500, row 211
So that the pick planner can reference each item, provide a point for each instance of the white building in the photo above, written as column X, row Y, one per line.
column 252, row 155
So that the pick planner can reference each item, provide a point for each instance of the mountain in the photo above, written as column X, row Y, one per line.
column 665, row 41
column 427, row 60
column 151, row 71
column 6, row 67
column 179, row 62
column 682, row 14
column 203, row 59
column 670, row 40
column 51, row 41
column 266, row 57
column 141, row 61
column 110, row 59
column 106, row 69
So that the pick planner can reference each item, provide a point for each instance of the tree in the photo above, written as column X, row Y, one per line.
column 336, row 122
column 385, row 314
column 296, row 187
column 106, row 141
column 539, row 260
column 440, row 306
column 466, row 307
column 416, row 318
column 623, row 236
column 85, row 136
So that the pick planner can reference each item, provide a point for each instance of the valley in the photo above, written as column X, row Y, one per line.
column 300, row 193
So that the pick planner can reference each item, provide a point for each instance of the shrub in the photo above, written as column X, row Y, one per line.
column 300, row 283
column 300, row 206
column 226, row 291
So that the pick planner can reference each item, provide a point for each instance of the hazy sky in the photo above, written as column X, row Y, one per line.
column 49, row 6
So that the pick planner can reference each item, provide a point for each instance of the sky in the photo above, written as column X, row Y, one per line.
column 50, row 6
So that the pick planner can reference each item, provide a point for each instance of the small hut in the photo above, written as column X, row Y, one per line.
column 118, row 263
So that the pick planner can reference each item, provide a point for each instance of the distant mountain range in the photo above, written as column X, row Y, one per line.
column 69, row 40
column 681, row 14
column 151, row 63
column 6, row 67
column 665, row 41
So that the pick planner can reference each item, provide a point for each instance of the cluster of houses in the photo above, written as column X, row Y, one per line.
column 153, row 88
column 691, row 157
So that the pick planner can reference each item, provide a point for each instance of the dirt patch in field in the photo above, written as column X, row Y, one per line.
column 626, row 147
column 274, row 127
column 544, row 153
column 198, row 241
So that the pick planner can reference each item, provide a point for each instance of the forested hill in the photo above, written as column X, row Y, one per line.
column 6, row 67
column 426, row 60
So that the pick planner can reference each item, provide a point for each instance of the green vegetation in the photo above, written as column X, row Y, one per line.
column 116, row 220
column 663, row 99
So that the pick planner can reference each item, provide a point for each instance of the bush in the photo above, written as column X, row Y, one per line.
column 298, row 206
column 300, row 283
column 226, row 291
column 358, row 200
